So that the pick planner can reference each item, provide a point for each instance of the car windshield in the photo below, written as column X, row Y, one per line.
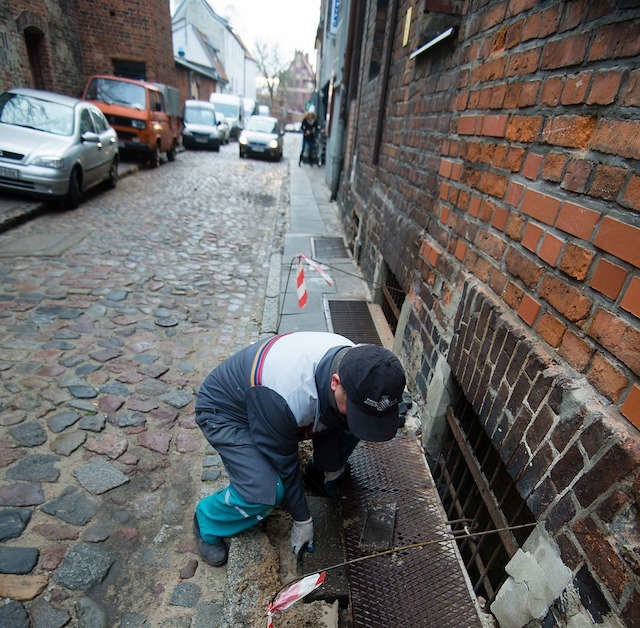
column 264, row 125
column 36, row 113
column 231, row 111
column 199, row 115
column 114, row 92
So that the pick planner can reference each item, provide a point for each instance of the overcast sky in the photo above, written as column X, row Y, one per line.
column 291, row 24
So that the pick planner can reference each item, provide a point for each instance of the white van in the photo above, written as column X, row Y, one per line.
column 232, row 107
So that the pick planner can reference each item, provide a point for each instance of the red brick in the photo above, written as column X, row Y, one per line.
column 551, row 91
column 529, row 94
column 514, row 192
column 631, row 407
column 616, row 40
column 566, row 299
column 461, row 249
column 631, row 195
column 474, row 206
column 617, row 137
column 577, row 220
column 467, row 124
column 575, row 351
column 522, row 63
column 497, row 280
column 553, row 168
column 490, row 244
column 607, row 182
column 569, row 131
column 550, row 249
column 499, row 219
column 564, row 52
column 618, row 337
column 528, row 310
column 520, row 266
column 576, row 261
column 605, row 560
column 494, row 126
column 631, row 299
column 551, row 329
column 577, row 175
column 575, row 89
column 619, row 239
column 512, row 295
column 524, row 128
column 608, row 279
column 573, row 16
column 531, row 27
column 540, row 206
column 532, row 164
column 630, row 94
column 606, row 378
column 493, row 184
column 531, row 237
column 518, row 6
column 515, row 226
column 604, row 87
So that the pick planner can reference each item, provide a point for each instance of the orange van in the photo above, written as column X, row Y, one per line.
column 146, row 116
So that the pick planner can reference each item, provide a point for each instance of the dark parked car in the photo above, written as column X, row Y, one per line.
column 261, row 137
column 54, row 146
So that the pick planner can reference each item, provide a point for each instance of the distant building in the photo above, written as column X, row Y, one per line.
column 210, row 52
column 53, row 45
column 299, row 88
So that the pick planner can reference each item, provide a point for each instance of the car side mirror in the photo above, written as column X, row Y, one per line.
column 89, row 136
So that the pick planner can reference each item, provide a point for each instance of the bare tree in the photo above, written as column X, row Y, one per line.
column 272, row 68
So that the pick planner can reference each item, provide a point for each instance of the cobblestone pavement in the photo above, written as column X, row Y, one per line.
column 110, row 317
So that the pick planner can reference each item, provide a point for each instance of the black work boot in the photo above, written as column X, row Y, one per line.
column 214, row 554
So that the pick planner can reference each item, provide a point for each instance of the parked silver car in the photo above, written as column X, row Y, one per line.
column 261, row 136
column 54, row 146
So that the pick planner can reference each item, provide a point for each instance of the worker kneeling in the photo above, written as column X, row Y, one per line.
column 257, row 405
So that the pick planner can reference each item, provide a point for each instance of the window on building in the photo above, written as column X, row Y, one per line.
column 378, row 38
column 130, row 69
column 34, row 40
column 392, row 298
column 475, row 485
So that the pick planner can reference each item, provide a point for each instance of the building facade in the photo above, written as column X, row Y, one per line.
column 195, row 21
column 298, row 90
column 489, row 187
column 48, row 45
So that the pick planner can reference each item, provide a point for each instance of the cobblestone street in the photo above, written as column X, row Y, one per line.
column 110, row 317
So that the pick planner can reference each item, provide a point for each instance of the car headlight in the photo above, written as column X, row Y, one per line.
column 242, row 139
column 273, row 144
column 156, row 126
column 138, row 124
column 48, row 161
column 187, row 132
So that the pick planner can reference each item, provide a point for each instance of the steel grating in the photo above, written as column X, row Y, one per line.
column 418, row 587
column 329, row 248
column 353, row 319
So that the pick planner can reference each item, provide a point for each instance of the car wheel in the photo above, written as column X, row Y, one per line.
column 74, row 193
column 171, row 153
column 154, row 157
column 216, row 148
column 112, row 180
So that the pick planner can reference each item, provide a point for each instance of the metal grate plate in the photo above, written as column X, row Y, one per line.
column 352, row 319
column 418, row 587
column 329, row 248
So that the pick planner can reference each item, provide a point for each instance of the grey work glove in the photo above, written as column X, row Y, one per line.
column 301, row 536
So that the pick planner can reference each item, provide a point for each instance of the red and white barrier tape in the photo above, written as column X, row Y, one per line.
column 301, row 287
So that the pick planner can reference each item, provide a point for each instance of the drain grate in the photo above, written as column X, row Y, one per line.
column 418, row 587
column 353, row 320
column 329, row 248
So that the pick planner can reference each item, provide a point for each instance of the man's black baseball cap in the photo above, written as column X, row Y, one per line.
column 374, row 381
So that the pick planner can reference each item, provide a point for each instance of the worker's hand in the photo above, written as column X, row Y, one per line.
column 302, row 536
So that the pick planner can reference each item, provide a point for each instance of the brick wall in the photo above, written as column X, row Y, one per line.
column 507, row 188
column 83, row 38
